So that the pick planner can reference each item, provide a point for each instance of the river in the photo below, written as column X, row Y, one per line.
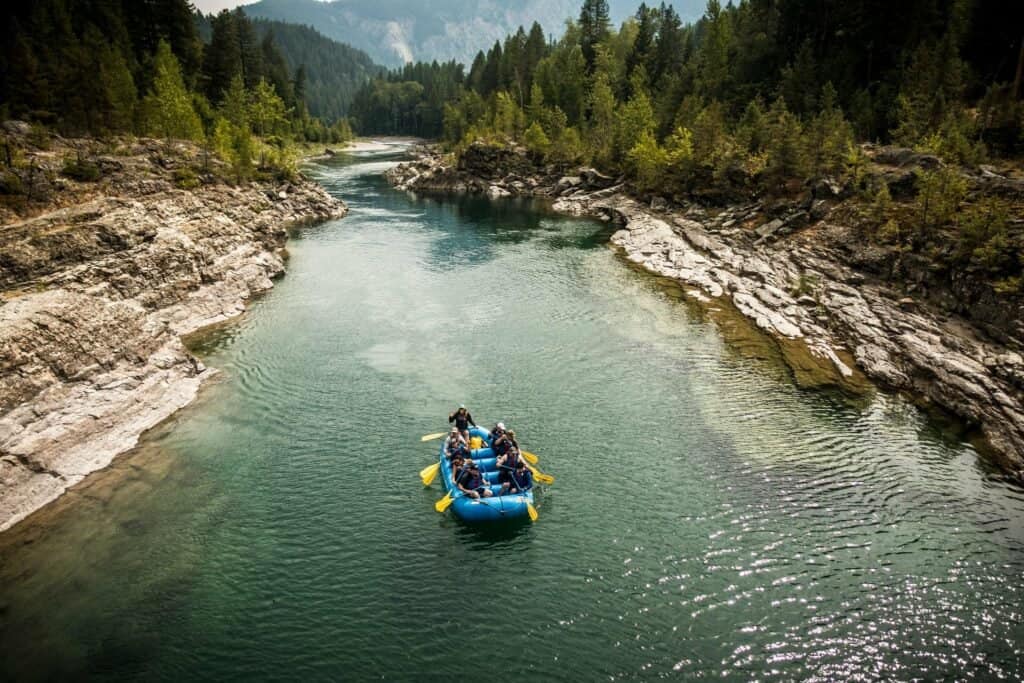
column 709, row 518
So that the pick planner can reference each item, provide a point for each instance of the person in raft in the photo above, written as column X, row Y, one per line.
column 455, row 445
column 462, row 420
column 508, row 462
column 521, row 480
column 504, row 443
column 472, row 482
column 496, row 433
column 459, row 465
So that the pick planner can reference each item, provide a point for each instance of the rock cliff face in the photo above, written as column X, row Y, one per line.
column 794, row 274
column 96, row 299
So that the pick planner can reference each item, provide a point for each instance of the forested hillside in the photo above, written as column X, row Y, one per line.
column 330, row 72
column 90, row 67
column 754, row 99
column 904, row 80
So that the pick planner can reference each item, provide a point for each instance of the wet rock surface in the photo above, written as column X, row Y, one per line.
column 795, row 275
column 96, row 297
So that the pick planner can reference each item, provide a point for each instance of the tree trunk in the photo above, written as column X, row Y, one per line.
column 1020, row 71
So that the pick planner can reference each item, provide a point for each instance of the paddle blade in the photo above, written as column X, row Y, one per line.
column 540, row 476
column 444, row 503
column 428, row 474
column 431, row 437
column 530, row 457
column 532, row 511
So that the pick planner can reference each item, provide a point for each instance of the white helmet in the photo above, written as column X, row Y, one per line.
column 501, row 425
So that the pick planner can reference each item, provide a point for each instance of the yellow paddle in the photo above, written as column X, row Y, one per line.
column 428, row 474
column 540, row 476
column 532, row 511
column 530, row 457
column 444, row 503
column 431, row 437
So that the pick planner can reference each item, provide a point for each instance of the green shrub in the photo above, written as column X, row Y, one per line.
column 1010, row 285
column 186, row 178
column 10, row 184
column 81, row 170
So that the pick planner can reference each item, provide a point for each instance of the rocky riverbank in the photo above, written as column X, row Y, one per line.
column 797, row 269
column 100, row 277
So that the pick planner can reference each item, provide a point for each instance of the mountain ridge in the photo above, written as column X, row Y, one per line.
column 393, row 32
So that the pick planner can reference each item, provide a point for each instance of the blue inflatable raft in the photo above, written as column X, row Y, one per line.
column 493, row 509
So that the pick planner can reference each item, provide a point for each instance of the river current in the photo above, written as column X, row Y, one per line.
column 709, row 519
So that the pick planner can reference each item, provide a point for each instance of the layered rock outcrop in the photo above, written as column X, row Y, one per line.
column 96, row 298
column 792, row 271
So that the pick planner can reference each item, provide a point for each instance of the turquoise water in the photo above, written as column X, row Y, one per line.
column 709, row 518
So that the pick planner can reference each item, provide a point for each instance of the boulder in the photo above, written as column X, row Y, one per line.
column 19, row 128
column 568, row 184
column 819, row 209
column 825, row 188
column 769, row 228
column 595, row 179
column 906, row 158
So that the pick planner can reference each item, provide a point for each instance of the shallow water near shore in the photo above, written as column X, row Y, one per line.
column 709, row 517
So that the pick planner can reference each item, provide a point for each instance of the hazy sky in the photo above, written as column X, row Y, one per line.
column 214, row 6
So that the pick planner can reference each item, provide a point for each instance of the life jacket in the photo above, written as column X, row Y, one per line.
column 512, row 459
column 495, row 433
column 501, row 448
column 471, row 481
column 462, row 421
column 458, row 448
column 522, row 480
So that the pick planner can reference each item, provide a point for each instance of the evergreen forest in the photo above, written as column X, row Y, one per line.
column 93, row 67
column 775, row 88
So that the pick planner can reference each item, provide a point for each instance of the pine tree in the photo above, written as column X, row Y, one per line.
column 800, row 82
column 119, row 93
column 752, row 131
column 276, row 69
column 168, row 106
column 830, row 135
column 601, row 132
column 633, row 120
column 508, row 117
column 643, row 45
column 668, row 53
column 594, row 28
column 712, row 143
column 649, row 162
column 234, row 133
column 571, row 96
column 253, row 68
column 536, row 140
column 267, row 111
column 533, row 52
column 490, row 79
column 476, row 72
column 786, row 156
column 223, row 58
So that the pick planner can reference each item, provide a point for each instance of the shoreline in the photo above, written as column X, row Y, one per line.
column 97, row 298
column 834, row 326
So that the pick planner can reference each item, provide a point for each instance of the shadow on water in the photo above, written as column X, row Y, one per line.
column 483, row 535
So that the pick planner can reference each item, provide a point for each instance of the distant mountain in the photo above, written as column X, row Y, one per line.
column 334, row 71
column 398, row 31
